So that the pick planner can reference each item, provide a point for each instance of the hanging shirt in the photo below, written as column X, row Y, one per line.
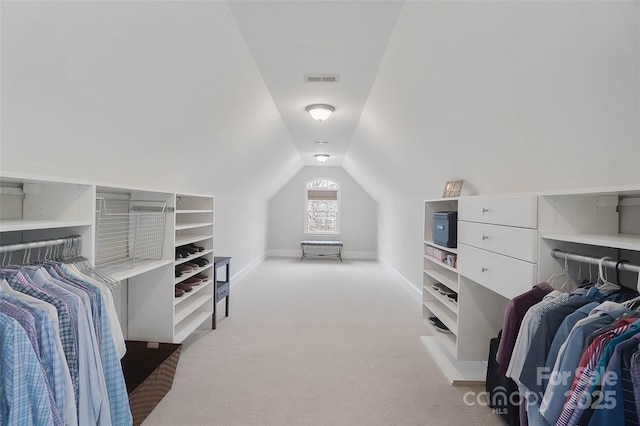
column 28, row 322
column 115, row 385
column 579, row 396
column 611, row 408
column 514, row 314
column 93, row 403
column 66, row 320
column 569, row 355
column 24, row 399
column 114, row 322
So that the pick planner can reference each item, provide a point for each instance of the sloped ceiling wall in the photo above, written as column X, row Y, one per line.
column 155, row 94
column 510, row 96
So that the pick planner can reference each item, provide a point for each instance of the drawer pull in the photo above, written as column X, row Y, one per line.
column 484, row 269
column 485, row 237
column 485, row 210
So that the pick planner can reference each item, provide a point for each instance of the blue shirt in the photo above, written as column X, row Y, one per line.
column 24, row 399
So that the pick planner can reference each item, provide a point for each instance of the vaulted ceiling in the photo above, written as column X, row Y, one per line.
column 290, row 40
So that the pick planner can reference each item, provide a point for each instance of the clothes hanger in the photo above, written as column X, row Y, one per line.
column 603, row 283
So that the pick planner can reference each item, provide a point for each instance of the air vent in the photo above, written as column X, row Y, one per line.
column 321, row 142
column 317, row 78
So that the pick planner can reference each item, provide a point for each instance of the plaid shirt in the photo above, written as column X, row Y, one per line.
column 24, row 399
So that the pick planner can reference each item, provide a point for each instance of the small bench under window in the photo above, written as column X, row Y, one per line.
column 304, row 245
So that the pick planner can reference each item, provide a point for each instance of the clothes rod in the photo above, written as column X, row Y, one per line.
column 622, row 266
column 39, row 244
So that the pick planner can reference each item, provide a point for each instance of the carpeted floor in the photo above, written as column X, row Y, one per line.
column 317, row 342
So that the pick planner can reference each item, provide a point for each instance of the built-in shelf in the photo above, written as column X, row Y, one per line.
column 189, row 274
column 193, row 256
column 126, row 269
column 11, row 225
column 440, row 263
column 190, row 305
column 440, row 277
column 193, row 211
column 189, row 325
column 446, row 302
column 444, row 248
column 620, row 241
column 447, row 317
column 188, row 239
column 458, row 372
column 183, row 226
column 196, row 289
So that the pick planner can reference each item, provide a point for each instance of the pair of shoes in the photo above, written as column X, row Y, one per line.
column 204, row 278
column 185, row 287
column 439, row 325
column 193, row 281
column 186, row 267
column 200, row 261
column 443, row 289
column 179, row 292
column 453, row 297
column 195, row 247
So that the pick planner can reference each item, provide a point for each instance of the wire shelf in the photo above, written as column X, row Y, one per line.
column 128, row 231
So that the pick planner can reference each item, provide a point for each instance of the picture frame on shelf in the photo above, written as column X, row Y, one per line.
column 452, row 188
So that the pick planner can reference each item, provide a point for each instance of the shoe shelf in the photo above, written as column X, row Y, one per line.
column 193, row 256
column 194, row 224
column 188, row 325
column 445, row 301
column 448, row 317
column 190, row 274
column 191, row 304
column 184, row 226
column 196, row 289
column 183, row 240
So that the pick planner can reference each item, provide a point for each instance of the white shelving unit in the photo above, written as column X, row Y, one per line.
column 194, row 225
column 449, row 350
column 594, row 222
column 34, row 208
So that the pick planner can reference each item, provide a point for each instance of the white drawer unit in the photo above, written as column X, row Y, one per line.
column 521, row 243
column 504, row 275
column 508, row 210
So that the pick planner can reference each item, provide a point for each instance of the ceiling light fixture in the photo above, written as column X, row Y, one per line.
column 322, row 157
column 320, row 112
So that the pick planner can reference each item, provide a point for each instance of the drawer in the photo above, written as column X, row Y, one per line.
column 222, row 290
column 504, row 275
column 510, row 210
column 521, row 243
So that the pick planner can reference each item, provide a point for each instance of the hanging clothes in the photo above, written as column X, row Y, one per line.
column 88, row 335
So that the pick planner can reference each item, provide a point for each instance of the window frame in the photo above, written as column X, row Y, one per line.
column 306, row 206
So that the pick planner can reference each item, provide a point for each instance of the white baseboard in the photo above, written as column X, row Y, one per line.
column 405, row 283
column 238, row 276
column 346, row 255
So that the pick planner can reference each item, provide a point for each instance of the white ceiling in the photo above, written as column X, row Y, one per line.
column 291, row 39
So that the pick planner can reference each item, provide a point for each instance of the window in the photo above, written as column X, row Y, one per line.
column 322, row 212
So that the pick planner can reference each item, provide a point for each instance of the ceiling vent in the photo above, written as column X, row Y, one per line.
column 321, row 142
column 317, row 78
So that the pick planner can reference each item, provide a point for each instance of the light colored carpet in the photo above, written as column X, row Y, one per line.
column 317, row 342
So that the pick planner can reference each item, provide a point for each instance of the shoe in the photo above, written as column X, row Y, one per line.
column 439, row 325
column 195, row 247
column 200, row 261
column 178, row 274
column 193, row 281
column 186, row 267
column 179, row 292
column 203, row 277
column 185, row 287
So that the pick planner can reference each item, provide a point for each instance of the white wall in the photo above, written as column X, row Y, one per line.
column 358, row 215
column 163, row 95
column 510, row 96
